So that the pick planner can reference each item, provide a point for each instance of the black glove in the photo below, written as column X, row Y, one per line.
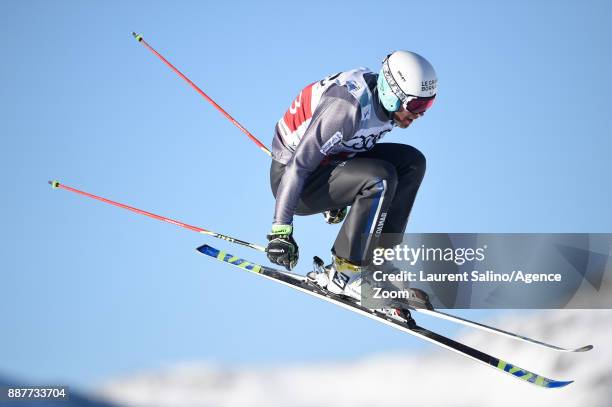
column 282, row 249
column 333, row 216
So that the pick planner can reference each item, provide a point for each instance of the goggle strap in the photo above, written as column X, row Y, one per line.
column 404, row 98
column 393, row 83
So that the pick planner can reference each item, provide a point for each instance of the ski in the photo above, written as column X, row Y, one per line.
column 491, row 329
column 300, row 283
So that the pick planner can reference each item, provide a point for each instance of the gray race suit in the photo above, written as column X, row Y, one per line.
column 326, row 156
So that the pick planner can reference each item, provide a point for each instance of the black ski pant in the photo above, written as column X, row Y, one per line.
column 380, row 185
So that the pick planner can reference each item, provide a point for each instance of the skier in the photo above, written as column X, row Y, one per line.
column 326, row 157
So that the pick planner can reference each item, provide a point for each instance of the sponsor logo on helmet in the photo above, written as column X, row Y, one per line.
column 429, row 85
column 401, row 76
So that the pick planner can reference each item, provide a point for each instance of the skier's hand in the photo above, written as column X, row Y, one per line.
column 333, row 216
column 282, row 249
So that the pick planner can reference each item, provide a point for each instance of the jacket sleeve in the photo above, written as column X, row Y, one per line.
column 335, row 118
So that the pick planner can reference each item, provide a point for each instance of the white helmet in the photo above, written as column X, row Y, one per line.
column 407, row 79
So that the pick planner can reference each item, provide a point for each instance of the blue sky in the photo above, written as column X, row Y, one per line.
column 518, row 141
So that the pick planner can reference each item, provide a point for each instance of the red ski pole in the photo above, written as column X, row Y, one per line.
column 204, row 95
column 56, row 184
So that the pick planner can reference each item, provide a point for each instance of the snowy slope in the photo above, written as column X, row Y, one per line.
column 434, row 378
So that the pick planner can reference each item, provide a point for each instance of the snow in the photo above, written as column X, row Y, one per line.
column 433, row 378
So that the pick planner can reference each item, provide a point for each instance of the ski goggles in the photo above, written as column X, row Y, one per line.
column 419, row 105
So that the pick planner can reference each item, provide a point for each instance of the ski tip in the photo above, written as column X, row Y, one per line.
column 558, row 383
column 54, row 184
column 204, row 249
column 584, row 348
column 137, row 36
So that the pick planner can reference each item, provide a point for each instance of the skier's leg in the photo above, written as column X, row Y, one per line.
column 371, row 183
column 410, row 165
column 367, row 184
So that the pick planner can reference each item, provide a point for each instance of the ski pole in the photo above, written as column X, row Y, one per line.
column 56, row 185
column 201, row 92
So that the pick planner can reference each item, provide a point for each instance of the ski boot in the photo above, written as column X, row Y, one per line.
column 400, row 315
column 343, row 278
column 340, row 277
column 319, row 275
column 417, row 298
